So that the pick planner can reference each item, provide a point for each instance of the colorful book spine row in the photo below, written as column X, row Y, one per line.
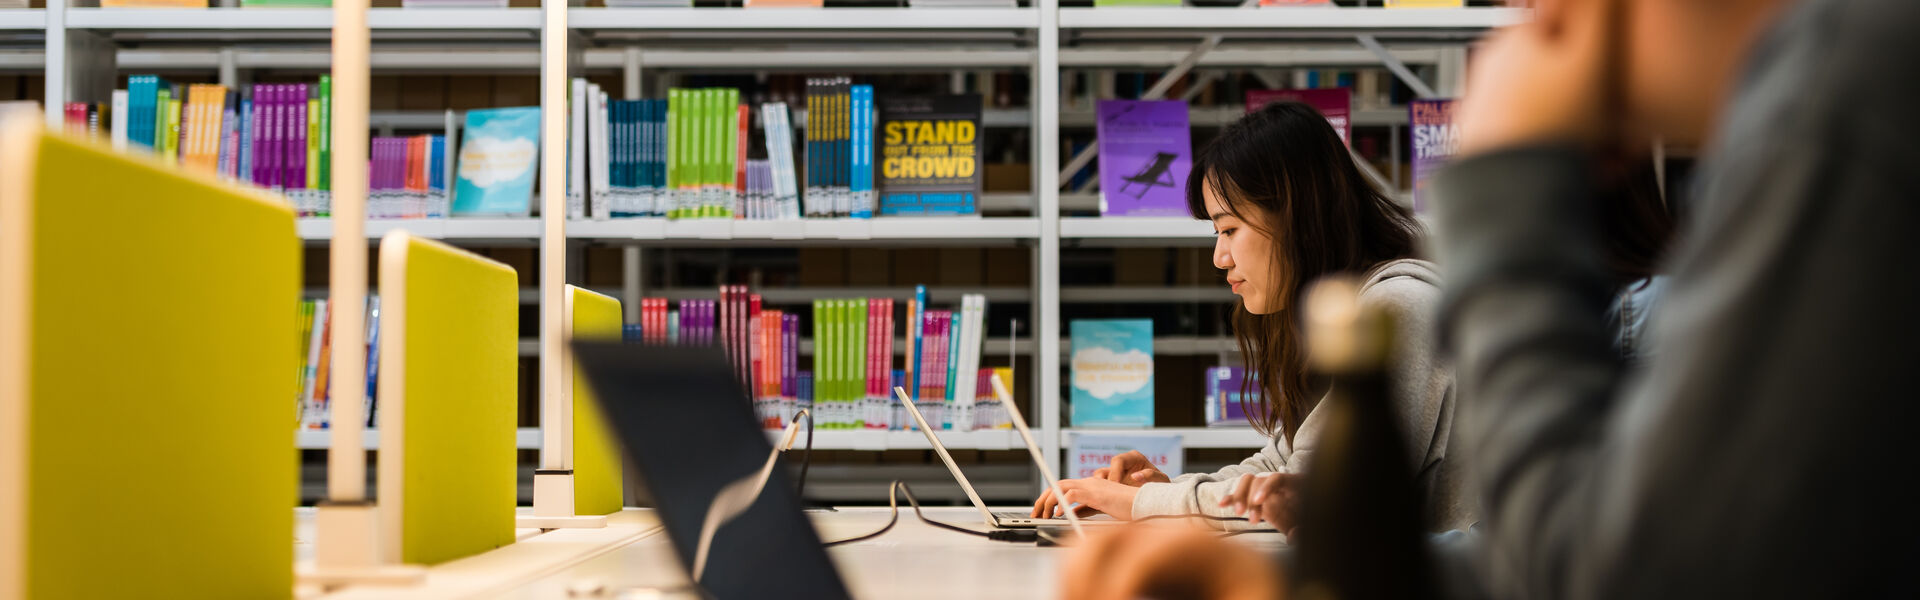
column 316, row 352
column 274, row 135
column 407, row 177
column 840, row 128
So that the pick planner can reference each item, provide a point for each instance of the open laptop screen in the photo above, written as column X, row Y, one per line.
column 687, row 426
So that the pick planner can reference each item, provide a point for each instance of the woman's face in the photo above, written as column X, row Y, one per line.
column 1245, row 254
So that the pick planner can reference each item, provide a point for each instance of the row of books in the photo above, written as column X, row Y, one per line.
column 277, row 136
column 840, row 126
column 853, row 375
column 407, row 177
column 693, row 155
column 316, row 354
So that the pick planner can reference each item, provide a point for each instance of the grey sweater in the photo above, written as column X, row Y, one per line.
column 1422, row 394
column 1767, row 449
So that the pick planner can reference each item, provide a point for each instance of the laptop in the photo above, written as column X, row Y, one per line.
column 688, row 429
column 1003, row 519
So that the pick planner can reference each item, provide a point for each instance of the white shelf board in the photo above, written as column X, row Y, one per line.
column 839, row 19
column 492, row 60
column 1190, row 437
column 298, row 19
column 321, row 228
column 845, row 439
column 23, row 18
column 524, row 438
column 881, row 228
column 775, row 57
column 1217, row 116
column 1357, row 20
column 1135, row 228
column 22, row 60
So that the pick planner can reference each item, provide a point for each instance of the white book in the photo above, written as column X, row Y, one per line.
column 118, row 131
column 779, row 134
column 309, row 407
column 577, row 152
column 968, row 360
column 599, row 164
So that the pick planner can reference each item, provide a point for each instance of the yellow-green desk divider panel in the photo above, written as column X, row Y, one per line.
column 596, row 459
column 146, row 441
column 449, row 347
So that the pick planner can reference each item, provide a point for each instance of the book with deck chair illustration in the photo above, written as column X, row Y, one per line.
column 1145, row 154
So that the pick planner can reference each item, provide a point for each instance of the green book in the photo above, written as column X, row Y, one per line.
column 173, row 130
column 711, row 150
column 820, row 370
column 676, row 149
column 162, row 104
column 326, row 128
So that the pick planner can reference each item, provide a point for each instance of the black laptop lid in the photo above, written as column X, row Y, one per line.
column 688, row 428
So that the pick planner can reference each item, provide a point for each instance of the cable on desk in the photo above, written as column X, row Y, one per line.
column 894, row 490
column 806, row 459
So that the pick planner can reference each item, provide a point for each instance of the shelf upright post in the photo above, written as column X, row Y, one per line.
column 79, row 65
column 553, row 492
column 1046, row 189
column 631, row 286
column 347, row 549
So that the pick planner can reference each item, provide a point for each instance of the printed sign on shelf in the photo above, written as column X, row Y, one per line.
column 1093, row 451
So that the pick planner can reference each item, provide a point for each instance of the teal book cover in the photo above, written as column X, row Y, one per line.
column 1112, row 365
column 499, row 154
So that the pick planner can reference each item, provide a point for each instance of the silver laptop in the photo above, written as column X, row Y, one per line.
column 1002, row 520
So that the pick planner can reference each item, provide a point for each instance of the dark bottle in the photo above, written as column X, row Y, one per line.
column 1360, row 534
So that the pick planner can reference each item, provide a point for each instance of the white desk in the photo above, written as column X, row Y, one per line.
column 913, row 561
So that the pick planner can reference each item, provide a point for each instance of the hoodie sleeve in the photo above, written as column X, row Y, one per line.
column 1201, row 492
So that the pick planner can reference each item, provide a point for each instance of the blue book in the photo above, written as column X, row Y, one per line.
column 862, row 183
column 1112, row 365
column 913, row 323
column 244, row 170
column 953, row 355
column 498, row 158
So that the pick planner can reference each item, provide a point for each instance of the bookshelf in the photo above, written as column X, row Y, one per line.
column 1190, row 437
column 299, row 19
column 834, row 19
column 22, row 19
column 640, row 49
column 524, row 438
column 1467, row 22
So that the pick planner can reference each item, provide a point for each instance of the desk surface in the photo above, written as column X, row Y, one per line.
column 913, row 561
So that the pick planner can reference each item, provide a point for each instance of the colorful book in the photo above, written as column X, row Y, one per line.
column 497, row 159
column 1434, row 141
column 1112, row 373
column 1223, row 395
column 930, row 153
column 1334, row 103
column 1145, row 155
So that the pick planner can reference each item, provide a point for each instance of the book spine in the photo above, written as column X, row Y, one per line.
column 325, row 181
column 577, row 149
column 742, row 116
column 755, row 338
column 117, row 130
column 309, row 165
column 821, row 366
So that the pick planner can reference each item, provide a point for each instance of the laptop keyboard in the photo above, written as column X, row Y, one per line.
column 1012, row 515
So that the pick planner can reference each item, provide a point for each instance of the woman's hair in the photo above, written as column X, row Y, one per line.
column 1285, row 173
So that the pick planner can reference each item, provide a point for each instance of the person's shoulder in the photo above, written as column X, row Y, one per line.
column 1402, row 283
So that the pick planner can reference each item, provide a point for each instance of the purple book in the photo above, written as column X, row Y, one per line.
column 299, row 149
column 1336, row 104
column 1145, row 154
column 789, row 334
column 253, row 132
column 1223, row 395
column 277, row 154
column 1434, row 142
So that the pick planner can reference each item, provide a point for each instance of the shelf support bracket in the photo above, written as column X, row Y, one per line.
column 1393, row 63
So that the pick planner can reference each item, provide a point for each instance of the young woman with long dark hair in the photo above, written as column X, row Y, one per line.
column 1289, row 206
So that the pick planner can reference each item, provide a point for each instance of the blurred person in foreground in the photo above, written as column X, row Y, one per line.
column 1756, row 454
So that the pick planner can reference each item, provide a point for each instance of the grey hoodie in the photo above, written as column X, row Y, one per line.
column 1422, row 393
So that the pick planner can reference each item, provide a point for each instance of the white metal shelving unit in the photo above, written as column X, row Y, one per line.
column 86, row 46
column 23, row 19
column 524, row 438
column 1190, row 437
